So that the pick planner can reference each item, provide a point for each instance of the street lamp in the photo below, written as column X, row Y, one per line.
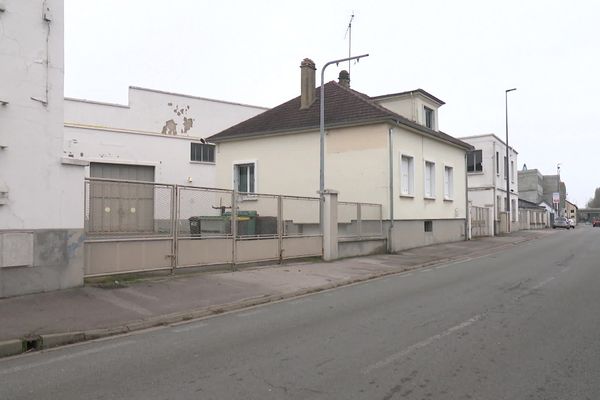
column 322, row 119
column 558, row 189
column 507, row 166
column 322, row 129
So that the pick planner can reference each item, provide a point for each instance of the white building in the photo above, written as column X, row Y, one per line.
column 40, row 234
column 488, row 170
column 157, row 136
column 386, row 150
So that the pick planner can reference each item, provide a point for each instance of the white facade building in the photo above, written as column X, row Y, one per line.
column 159, row 132
column 386, row 150
column 40, row 234
column 488, row 170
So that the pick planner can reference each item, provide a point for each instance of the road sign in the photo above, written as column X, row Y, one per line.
column 556, row 197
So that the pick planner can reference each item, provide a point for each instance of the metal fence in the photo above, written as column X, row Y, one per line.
column 359, row 220
column 480, row 221
column 139, row 226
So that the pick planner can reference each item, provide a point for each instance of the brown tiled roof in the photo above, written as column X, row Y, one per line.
column 343, row 107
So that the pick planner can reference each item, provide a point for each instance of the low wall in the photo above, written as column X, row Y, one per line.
column 42, row 260
column 411, row 234
column 354, row 247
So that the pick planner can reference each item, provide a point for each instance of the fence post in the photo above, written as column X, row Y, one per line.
column 234, row 199
column 330, row 225
column 359, row 219
column 280, row 228
column 174, row 225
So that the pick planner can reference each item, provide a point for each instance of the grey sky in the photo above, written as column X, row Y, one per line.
column 464, row 52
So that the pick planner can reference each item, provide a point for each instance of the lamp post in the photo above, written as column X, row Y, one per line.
column 558, row 189
column 322, row 129
column 507, row 166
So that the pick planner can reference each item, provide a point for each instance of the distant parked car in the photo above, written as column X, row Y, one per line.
column 571, row 223
column 596, row 223
column 561, row 222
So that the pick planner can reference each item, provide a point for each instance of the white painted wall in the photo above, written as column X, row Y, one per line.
column 411, row 105
column 133, row 134
column 356, row 165
column 491, row 182
column 149, row 110
column 41, row 191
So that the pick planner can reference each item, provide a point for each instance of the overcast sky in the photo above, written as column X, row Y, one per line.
column 464, row 52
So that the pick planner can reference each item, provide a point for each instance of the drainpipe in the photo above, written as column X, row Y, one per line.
column 466, row 200
column 391, row 157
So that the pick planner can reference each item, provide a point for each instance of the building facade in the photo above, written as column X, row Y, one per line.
column 40, row 233
column 538, row 189
column 385, row 149
column 158, row 135
column 488, row 170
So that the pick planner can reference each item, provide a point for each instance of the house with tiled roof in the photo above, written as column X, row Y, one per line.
column 386, row 149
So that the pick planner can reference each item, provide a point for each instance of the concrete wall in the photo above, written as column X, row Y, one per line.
column 531, row 185
column 160, row 112
column 410, row 234
column 41, row 221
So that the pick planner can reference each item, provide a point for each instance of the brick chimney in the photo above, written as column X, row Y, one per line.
column 344, row 78
column 307, row 83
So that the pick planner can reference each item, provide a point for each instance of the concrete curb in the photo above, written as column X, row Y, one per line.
column 11, row 348
column 17, row 346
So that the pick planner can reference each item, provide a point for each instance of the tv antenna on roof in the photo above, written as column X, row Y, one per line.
column 349, row 34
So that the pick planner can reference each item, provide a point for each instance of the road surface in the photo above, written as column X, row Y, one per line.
column 523, row 323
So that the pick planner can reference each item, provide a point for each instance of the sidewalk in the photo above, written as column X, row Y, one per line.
column 67, row 316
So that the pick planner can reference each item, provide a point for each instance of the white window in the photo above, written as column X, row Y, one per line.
column 448, row 183
column 429, row 179
column 245, row 176
column 497, row 163
column 512, row 171
column 202, row 152
column 474, row 161
column 407, row 176
column 429, row 117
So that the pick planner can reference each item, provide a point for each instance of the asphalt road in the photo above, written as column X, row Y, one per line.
column 520, row 324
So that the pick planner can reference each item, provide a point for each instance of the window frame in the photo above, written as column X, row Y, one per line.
column 201, row 152
column 431, row 195
column 410, row 176
column 429, row 111
column 474, row 152
column 449, row 183
column 497, row 163
column 235, row 177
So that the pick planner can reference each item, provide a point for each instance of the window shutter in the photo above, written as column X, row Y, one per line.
column 404, row 183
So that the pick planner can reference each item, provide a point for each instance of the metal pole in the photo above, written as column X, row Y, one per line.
column 322, row 130
column 558, row 189
column 507, row 166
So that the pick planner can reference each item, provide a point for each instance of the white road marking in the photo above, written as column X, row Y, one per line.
column 396, row 356
column 191, row 327
column 442, row 266
column 65, row 357
column 426, row 270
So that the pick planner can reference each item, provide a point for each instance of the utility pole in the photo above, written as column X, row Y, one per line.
column 507, row 166
column 349, row 34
